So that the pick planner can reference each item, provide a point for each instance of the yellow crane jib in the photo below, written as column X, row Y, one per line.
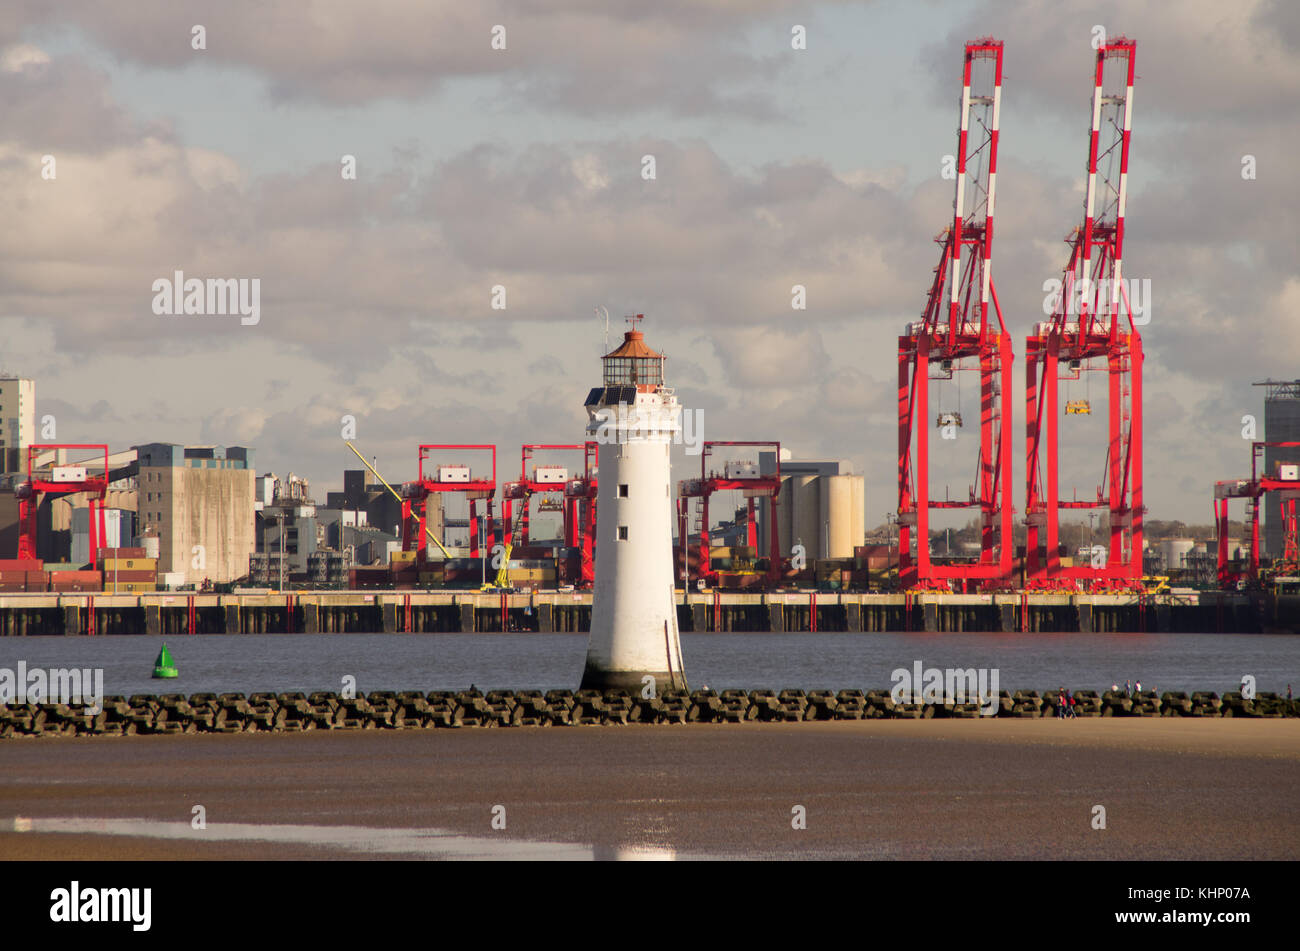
column 502, row 579
column 395, row 495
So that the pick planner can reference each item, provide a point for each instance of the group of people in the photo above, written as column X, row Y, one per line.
column 1065, row 704
column 1130, row 689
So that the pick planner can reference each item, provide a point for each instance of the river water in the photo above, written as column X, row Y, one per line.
column 216, row 663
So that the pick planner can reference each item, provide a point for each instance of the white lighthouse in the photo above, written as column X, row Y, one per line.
column 634, row 418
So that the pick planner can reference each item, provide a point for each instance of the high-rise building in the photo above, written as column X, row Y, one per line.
column 1281, row 424
column 200, row 500
column 17, row 421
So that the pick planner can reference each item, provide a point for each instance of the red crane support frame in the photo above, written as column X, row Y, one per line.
column 1092, row 285
column 577, row 506
column 1253, row 490
column 29, row 498
column 525, row 488
column 580, row 511
column 415, row 497
column 754, row 487
column 965, row 267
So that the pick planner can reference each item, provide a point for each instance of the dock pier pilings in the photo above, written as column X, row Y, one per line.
column 446, row 611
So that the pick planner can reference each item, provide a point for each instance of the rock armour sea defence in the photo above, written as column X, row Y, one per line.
column 441, row 709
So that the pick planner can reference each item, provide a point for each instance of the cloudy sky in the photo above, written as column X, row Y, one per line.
column 522, row 167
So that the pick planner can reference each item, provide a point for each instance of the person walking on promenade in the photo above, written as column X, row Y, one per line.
column 1137, row 689
column 1060, row 704
column 1069, row 705
column 1128, row 688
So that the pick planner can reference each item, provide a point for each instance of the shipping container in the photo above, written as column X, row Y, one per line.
column 868, row 551
column 525, row 552
column 21, row 564
column 129, row 564
column 126, row 577
column 122, row 553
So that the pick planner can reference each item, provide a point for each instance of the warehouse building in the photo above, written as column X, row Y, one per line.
column 200, row 502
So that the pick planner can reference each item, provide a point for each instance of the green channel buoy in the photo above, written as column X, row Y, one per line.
column 164, row 667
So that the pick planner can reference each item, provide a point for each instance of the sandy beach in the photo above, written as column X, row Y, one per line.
column 1171, row 788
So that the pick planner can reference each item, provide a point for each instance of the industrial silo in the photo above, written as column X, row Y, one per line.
column 859, row 526
column 805, row 526
column 837, row 513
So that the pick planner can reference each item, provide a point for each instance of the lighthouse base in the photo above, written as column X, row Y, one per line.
column 595, row 677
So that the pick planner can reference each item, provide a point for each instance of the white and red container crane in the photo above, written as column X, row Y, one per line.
column 1091, row 324
column 961, row 330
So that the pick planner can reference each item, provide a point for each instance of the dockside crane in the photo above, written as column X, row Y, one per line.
column 1092, row 321
column 734, row 475
column 57, row 479
column 961, row 329
column 1284, row 482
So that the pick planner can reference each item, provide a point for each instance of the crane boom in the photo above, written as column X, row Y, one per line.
column 395, row 495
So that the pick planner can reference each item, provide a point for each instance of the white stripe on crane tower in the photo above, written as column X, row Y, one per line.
column 984, row 285
column 965, row 107
column 954, row 278
column 1123, row 193
column 1128, row 108
column 1096, row 109
column 1092, row 194
column 993, row 181
column 997, row 105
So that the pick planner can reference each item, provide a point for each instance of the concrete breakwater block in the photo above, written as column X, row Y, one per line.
column 289, row 711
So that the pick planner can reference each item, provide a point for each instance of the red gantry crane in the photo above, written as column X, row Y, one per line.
column 958, row 329
column 576, row 500
column 1285, row 481
column 580, row 515
column 61, row 479
column 447, row 477
column 1093, row 321
column 744, row 476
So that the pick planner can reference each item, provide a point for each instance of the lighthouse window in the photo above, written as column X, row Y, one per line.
column 622, row 533
column 622, row 490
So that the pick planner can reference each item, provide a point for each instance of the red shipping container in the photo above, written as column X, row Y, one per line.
column 21, row 564
column 121, row 553
column 122, row 577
